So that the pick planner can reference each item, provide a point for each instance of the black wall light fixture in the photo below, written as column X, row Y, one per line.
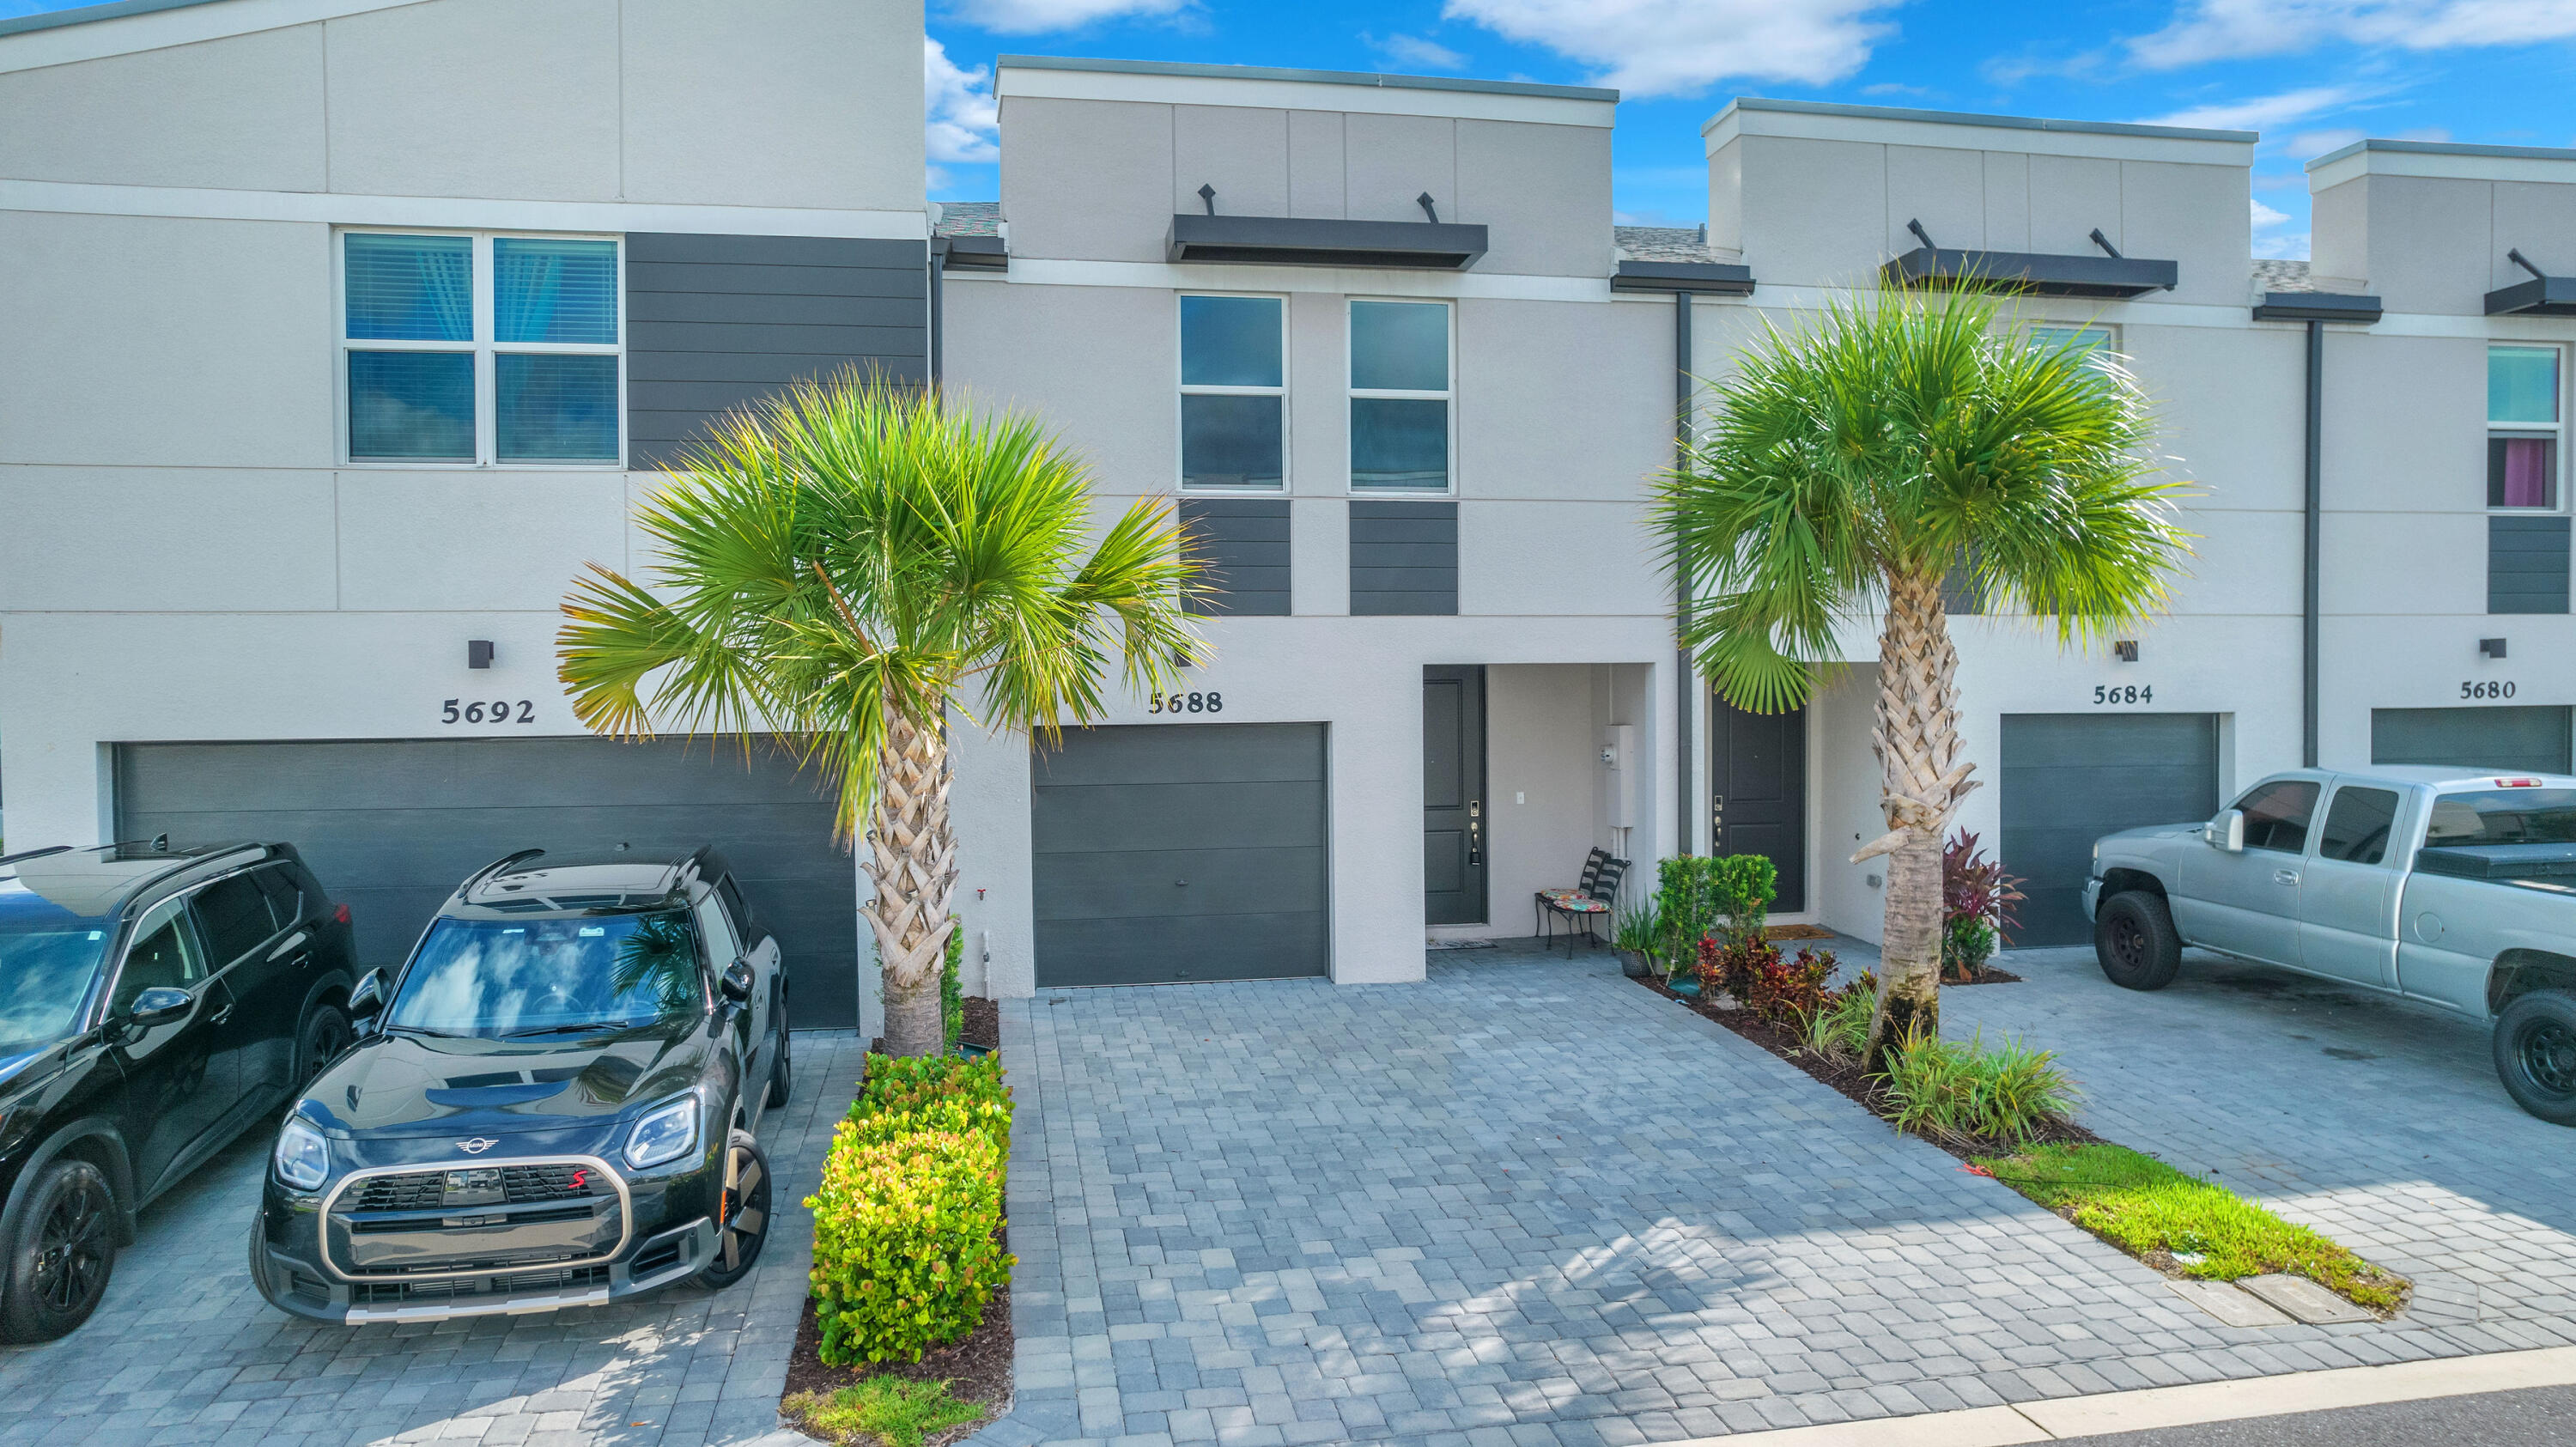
column 2125, row 649
column 2491, row 648
column 478, row 652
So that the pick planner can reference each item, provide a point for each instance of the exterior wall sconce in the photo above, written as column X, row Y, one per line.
column 2491, row 648
column 478, row 652
column 2126, row 650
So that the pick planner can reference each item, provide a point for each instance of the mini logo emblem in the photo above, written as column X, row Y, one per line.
column 476, row 1146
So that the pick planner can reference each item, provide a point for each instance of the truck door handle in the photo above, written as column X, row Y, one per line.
column 2285, row 876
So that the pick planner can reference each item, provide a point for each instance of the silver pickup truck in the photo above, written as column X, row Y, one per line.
column 2455, row 889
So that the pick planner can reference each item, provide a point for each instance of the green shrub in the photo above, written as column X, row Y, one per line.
column 1694, row 895
column 1840, row 1031
column 952, row 987
column 1972, row 1091
column 904, row 1248
column 891, row 1410
column 1741, row 888
column 934, row 1092
column 1639, row 930
column 2142, row 1205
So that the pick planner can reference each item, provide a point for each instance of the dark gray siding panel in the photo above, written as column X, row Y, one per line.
column 2518, row 738
column 717, row 322
column 392, row 826
column 1245, row 544
column 2070, row 778
column 1167, row 852
column 1404, row 558
column 2527, row 564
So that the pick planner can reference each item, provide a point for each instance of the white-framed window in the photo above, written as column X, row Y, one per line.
column 2526, row 422
column 1234, row 392
column 479, row 348
column 1403, row 375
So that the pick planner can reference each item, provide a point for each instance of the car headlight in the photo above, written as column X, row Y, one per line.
column 664, row 1135
column 303, row 1158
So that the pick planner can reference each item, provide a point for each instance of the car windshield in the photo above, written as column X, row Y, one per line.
column 546, row 976
column 2504, row 816
column 48, row 956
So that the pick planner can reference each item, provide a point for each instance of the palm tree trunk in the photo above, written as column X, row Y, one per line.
column 1917, row 742
column 912, row 861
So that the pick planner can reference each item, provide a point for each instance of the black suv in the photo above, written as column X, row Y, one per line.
column 154, row 1004
column 553, row 1103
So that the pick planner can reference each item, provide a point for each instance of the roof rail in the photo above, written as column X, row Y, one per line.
column 35, row 853
column 493, row 868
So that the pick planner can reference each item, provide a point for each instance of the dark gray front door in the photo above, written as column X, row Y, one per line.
column 2510, row 736
column 391, row 827
column 2070, row 778
column 1757, row 771
column 1172, row 852
column 1454, row 819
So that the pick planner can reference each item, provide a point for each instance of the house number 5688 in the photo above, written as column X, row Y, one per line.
column 1186, row 703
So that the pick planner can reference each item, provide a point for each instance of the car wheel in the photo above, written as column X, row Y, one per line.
column 743, row 1221
column 779, row 1084
column 2134, row 938
column 2535, row 1054
column 325, row 1035
column 61, row 1254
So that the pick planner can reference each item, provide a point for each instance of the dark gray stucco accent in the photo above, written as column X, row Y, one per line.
column 1404, row 558
column 1244, row 542
column 715, row 322
column 1324, row 241
column 2527, row 564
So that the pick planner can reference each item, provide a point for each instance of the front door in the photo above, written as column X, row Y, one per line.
column 1757, row 804
column 1455, row 842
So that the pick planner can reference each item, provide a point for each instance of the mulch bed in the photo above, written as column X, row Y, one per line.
column 983, row 1023
column 976, row 1370
column 1987, row 976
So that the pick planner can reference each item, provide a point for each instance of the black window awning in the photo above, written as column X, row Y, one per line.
column 1711, row 278
column 2027, row 273
column 2542, row 296
column 2317, row 306
column 1321, row 241
column 977, row 253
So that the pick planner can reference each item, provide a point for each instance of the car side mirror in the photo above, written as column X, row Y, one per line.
column 2227, row 831
column 737, row 981
column 157, row 1006
column 368, row 1000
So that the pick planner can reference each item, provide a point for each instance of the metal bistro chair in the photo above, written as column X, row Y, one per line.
column 1580, row 910
column 1592, row 863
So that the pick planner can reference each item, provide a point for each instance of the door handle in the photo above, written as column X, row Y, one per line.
column 1475, row 831
column 1716, row 812
column 288, row 946
column 2285, row 876
column 220, row 1016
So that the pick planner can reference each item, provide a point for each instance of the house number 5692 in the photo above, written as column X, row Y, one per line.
column 495, row 711
column 1186, row 703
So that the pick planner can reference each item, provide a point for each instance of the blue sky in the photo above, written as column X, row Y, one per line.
column 2311, row 75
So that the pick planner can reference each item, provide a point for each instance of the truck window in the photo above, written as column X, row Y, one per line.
column 2276, row 815
column 2357, row 825
column 2504, row 816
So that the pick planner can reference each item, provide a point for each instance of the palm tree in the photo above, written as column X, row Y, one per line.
column 1849, row 468
column 844, row 566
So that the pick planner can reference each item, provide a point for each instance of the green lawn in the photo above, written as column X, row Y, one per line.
column 2142, row 1206
column 888, row 1409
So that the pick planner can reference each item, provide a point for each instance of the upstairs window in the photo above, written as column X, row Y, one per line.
column 1400, row 396
column 480, row 349
column 1234, row 394
column 2523, row 426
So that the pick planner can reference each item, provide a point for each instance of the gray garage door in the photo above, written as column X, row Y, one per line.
column 2070, row 778
column 392, row 826
column 1169, row 852
column 2513, row 736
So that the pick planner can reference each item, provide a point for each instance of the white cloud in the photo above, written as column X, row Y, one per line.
column 960, row 123
column 2270, row 241
column 1677, row 47
column 2256, row 113
column 1028, row 17
column 2266, row 216
column 2308, row 145
column 2207, row 30
column 1415, row 50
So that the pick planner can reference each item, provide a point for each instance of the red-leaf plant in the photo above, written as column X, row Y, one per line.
column 1977, row 900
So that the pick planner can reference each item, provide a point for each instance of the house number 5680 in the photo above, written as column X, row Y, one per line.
column 1186, row 703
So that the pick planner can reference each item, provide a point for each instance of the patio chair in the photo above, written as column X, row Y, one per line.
column 1581, row 911
column 1582, row 889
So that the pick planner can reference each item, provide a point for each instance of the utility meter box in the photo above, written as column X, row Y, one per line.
column 1622, row 774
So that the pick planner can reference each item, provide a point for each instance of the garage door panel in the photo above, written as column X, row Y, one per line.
column 1183, row 754
column 1130, row 884
column 1178, row 816
column 2068, row 779
column 1181, row 948
column 2511, row 736
column 392, row 826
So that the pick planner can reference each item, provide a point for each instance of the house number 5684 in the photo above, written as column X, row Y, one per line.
column 1186, row 703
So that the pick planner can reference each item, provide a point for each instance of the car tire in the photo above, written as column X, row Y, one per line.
column 2535, row 1054
column 742, row 1220
column 2135, row 941
column 779, row 1082
column 326, row 1033
column 61, row 1254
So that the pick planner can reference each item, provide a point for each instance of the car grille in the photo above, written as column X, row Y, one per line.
column 520, row 1186
column 405, row 1293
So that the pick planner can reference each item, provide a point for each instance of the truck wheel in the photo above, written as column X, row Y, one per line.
column 62, row 1253
column 2134, row 938
column 2535, row 1054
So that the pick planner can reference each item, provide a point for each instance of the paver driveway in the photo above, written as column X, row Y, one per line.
column 184, row 1351
column 1528, row 1202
